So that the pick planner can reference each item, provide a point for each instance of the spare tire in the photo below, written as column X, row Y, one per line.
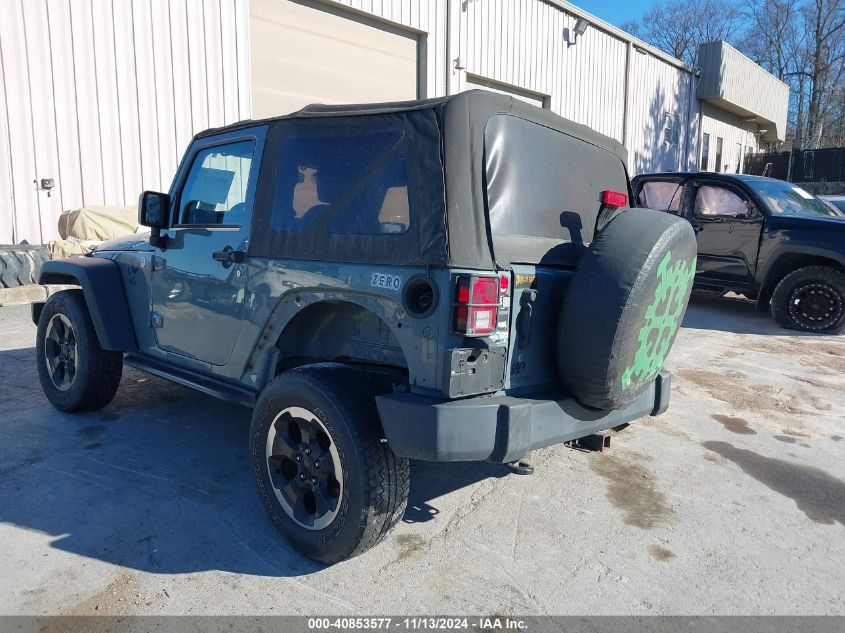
column 623, row 307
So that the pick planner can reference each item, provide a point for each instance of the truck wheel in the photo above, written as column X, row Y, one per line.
column 326, row 476
column 76, row 373
column 623, row 307
column 810, row 299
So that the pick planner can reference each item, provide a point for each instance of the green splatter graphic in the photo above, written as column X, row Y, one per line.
column 662, row 319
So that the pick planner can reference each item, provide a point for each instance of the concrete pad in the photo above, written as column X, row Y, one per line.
column 733, row 502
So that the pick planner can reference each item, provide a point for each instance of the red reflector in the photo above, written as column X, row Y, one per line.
column 614, row 198
column 461, row 313
column 463, row 291
column 485, row 291
column 504, row 282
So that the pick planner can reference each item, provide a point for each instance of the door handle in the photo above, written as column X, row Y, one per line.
column 229, row 256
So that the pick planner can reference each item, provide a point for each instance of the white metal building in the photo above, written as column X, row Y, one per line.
column 102, row 96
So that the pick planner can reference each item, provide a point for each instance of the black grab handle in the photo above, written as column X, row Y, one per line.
column 229, row 255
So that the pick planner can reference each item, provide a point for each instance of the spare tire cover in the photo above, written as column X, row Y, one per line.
column 623, row 307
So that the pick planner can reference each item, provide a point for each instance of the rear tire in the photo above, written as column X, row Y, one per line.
column 312, row 420
column 811, row 299
column 76, row 373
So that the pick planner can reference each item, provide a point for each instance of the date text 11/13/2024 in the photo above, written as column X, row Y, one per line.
column 418, row 623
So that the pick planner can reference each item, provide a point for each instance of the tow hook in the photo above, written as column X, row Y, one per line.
column 520, row 468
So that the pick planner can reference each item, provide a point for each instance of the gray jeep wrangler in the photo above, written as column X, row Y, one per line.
column 455, row 279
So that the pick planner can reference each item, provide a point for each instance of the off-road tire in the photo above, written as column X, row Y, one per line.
column 97, row 371
column 810, row 278
column 20, row 264
column 375, row 482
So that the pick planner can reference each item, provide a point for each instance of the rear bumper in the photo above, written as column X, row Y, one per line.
column 501, row 428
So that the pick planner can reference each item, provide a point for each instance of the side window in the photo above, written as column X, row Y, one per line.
column 661, row 195
column 215, row 190
column 354, row 185
column 719, row 202
column 672, row 129
column 718, row 167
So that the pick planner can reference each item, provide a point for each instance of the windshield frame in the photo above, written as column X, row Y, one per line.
column 769, row 191
column 838, row 204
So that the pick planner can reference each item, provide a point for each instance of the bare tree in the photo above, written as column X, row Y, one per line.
column 826, row 22
column 678, row 27
column 776, row 38
column 802, row 42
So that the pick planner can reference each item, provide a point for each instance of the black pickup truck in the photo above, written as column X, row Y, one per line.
column 764, row 238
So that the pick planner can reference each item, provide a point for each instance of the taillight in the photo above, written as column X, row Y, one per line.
column 614, row 198
column 504, row 283
column 476, row 305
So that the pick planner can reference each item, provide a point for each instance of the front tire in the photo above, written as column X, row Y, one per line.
column 327, row 478
column 811, row 299
column 76, row 373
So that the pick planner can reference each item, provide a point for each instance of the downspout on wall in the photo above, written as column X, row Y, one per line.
column 626, row 106
column 447, row 77
column 693, row 144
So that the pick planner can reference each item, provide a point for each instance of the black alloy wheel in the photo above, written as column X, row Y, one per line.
column 305, row 468
column 60, row 352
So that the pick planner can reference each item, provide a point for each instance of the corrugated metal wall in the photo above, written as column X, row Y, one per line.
column 109, row 92
column 530, row 44
column 526, row 44
column 657, row 91
column 521, row 43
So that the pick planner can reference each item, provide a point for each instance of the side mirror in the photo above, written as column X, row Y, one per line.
column 153, row 211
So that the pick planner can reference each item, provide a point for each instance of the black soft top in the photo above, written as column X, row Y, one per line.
column 455, row 126
column 475, row 104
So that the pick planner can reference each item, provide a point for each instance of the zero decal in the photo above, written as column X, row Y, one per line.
column 662, row 318
column 383, row 280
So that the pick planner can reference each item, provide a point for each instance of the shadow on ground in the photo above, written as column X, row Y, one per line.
column 817, row 494
column 158, row 481
column 733, row 314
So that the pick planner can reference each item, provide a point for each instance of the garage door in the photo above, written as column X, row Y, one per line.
column 534, row 98
column 303, row 55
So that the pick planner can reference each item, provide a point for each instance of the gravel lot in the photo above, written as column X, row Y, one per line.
column 733, row 502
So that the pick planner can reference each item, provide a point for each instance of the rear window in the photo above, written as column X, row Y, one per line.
column 544, row 187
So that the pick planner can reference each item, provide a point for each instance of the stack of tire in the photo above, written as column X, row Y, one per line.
column 20, row 264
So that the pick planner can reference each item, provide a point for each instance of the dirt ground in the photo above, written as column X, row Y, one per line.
column 733, row 502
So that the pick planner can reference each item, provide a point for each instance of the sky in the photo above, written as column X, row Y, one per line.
column 615, row 11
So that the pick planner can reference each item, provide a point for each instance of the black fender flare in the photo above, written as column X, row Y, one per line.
column 294, row 302
column 105, row 296
column 768, row 278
